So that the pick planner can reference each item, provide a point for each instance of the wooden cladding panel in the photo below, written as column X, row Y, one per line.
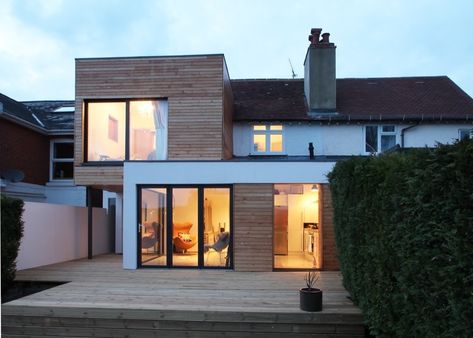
column 98, row 176
column 330, row 255
column 227, row 115
column 253, row 230
column 193, row 86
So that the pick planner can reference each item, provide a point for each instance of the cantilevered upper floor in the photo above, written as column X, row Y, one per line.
column 149, row 108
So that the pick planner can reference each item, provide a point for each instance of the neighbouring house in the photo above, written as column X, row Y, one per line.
column 37, row 151
column 211, row 172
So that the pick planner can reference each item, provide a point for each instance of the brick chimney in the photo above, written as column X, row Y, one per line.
column 319, row 73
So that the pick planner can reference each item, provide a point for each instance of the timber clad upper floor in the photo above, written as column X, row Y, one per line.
column 207, row 116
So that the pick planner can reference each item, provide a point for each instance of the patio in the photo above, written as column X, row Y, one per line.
column 104, row 300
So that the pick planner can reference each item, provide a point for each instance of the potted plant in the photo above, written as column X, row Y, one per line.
column 311, row 297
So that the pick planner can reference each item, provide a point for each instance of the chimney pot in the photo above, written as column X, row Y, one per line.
column 314, row 36
column 325, row 38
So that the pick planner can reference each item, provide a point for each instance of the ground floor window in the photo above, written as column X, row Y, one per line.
column 185, row 226
column 297, row 228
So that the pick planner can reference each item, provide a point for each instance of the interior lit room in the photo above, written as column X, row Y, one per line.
column 297, row 232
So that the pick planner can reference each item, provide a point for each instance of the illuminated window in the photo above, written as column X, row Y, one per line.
column 107, row 130
column 267, row 140
column 62, row 160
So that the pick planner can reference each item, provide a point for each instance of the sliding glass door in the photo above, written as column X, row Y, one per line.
column 185, row 226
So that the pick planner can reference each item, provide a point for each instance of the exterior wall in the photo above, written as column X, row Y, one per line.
column 66, row 194
column 26, row 150
column 225, row 172
column 253, row 199
column 330, row 255
column 58, row 233
column 227, row 116
column 253, row 227
column 343, row 139
column 193, row 86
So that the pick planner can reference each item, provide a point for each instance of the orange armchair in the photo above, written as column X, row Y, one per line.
column 182, row 239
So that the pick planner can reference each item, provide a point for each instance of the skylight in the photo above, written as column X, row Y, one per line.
column 64, row 110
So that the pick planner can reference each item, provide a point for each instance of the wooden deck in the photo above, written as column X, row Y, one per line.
column 103, row 300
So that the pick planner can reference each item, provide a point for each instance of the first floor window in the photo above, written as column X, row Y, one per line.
column 127, row 130
column 267, row 140
column 465, row 134
column 379, row 138
column 62, row 160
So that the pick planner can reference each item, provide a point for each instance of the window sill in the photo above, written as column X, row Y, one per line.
column 61, row 183
column 102, row 164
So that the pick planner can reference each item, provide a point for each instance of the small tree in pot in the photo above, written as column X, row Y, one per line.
column 311, row 297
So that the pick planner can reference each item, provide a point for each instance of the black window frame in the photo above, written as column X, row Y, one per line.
column 200, row 216
column 127, row 101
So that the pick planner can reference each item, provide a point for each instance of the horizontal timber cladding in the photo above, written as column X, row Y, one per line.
column 98, row 176
column 253, row 227
column 330, row 257
column 193, row 86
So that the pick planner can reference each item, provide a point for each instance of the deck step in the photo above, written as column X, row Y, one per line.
column 18, row 321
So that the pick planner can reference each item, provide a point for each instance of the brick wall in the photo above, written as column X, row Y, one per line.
column 26, row 150
column 330, row 256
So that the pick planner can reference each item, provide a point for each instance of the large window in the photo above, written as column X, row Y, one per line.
column 379, row 138
column 297, row 229
column 267, row 140
column 142, row 122
column 185, row 226
column 62, row 160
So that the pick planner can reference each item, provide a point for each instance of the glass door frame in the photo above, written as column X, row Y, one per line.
column 169, row 225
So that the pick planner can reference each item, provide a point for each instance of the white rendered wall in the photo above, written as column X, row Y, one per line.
column 56, row 233
column 206, row 172
column 343, row 139
column 428, row 135
column 66, row 194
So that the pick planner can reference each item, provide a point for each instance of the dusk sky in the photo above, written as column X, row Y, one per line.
column 39, row 40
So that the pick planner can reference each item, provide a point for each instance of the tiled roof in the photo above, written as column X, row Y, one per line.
column 53, row 114
column 40, row 114
column 403, row 98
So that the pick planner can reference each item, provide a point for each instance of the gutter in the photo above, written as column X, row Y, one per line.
column 24, row 123
column 32, row 126
column 403, row 131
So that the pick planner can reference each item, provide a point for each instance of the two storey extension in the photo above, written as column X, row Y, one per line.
column 217, row 173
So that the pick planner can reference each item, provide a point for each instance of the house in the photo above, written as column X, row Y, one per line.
column 211, row 172
column 36, row 151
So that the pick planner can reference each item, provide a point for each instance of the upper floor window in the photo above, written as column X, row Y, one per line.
column 267, row 139
column 62, row 160
column 126, row 130
column 379, row 138
column 465, row 134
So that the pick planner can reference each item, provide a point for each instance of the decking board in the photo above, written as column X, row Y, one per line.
column 104, row 300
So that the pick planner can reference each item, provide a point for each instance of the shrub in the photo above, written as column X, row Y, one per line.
column 12, row 231
column 404, row 232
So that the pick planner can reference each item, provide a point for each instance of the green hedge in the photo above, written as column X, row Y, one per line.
column 404, row 232
column 12, row 231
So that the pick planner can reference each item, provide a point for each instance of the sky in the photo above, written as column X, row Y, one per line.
column 40, row 39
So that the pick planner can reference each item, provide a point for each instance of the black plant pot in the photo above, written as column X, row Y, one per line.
column 310, row 299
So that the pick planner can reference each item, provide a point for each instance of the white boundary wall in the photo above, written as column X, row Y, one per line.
column 56, row 233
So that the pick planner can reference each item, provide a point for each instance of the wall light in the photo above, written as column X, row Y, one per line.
column 314, row 187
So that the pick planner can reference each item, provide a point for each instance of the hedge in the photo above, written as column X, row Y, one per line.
column 12, row 231
column 404, row 232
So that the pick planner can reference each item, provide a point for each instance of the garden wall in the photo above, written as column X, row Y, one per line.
column 56, row 233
